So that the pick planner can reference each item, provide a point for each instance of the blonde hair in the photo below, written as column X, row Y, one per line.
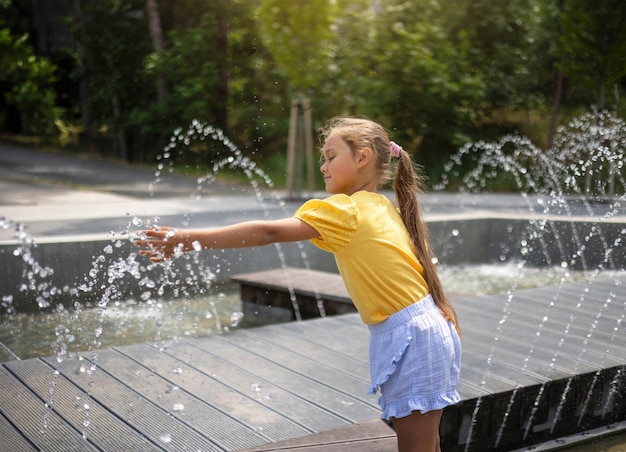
column 407, row 181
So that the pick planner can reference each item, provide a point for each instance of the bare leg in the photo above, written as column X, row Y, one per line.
column 418, row 432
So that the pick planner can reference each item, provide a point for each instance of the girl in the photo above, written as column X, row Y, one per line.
column 385, row 260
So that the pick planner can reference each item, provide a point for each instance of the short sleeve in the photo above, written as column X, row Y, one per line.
column 334, row 218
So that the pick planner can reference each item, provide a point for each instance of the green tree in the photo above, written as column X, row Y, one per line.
column 27, row 83
column 345, row 82
column 193, row 64
column 502, row 45
column 593, row 44
column 258, row 91
column 217, row 71
column 297, row 34
column 114, row 39
column 425, row 84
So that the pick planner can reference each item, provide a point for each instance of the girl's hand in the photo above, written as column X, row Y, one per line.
column 160, row 243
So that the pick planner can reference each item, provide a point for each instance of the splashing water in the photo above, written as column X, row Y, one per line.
column 120, row 288
column 571, row 197
column 554, row 184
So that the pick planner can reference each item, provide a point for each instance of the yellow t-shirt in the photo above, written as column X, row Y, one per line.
column 372, row 249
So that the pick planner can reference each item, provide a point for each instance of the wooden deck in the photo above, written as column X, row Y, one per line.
column 293, row 294
column 538, row 365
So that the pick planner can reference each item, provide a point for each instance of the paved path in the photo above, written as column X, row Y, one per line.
column 48, row 177
column 59, row 195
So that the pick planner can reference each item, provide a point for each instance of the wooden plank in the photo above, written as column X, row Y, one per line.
column 158, row 426
column 323, row 333
column 585, row 299
column 313, row 283
column 305, row 347
column 371, row 436
column 24, row 406
column 345, row 406
column 346, row 381
column 559, row 318
column 556, row 351
column 512, row 350
column 222, row 388
column 547, row 363
column 12, row 439
column 288, row 294
column 580, row 344
column 165, row 386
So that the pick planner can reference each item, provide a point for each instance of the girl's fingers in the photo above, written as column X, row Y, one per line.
column 153, row 243
column 154, row 256
column 161, row 233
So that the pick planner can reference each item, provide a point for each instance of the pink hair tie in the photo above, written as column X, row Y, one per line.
column 396, row 149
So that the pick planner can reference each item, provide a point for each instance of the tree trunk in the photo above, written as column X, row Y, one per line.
column 220, row 109
column 556, row 105
column 118, row 121
column 601, row 97
column 87, row 137
column 300, row 141
column 156, row 33
column 120, row 134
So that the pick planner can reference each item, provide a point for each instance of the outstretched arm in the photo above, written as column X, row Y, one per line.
column 162, row 243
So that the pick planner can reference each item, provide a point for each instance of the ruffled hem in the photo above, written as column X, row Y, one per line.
column 389, row 369
column 421, row 404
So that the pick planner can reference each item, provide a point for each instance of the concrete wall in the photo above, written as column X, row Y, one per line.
column 579, row 244
column 485, row 240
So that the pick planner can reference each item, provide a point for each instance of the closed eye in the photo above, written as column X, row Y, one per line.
column 327, row 156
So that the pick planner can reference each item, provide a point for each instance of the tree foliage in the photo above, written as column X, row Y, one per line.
column 28, row 82
column 297, row 32
column 436, row 94
column 437, row 73
column 593, row 43
column 114, row 38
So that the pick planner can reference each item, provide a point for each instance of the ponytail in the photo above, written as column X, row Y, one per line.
column 408, row 184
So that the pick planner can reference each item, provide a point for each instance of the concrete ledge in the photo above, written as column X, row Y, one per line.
column 79, row 260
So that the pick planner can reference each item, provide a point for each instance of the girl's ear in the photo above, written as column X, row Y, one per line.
column 364, row 157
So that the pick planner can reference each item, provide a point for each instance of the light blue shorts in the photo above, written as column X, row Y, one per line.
column 415, row 360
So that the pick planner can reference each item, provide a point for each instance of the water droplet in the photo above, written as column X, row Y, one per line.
column 235, row 318
column 178, row 407
column 165, row 438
